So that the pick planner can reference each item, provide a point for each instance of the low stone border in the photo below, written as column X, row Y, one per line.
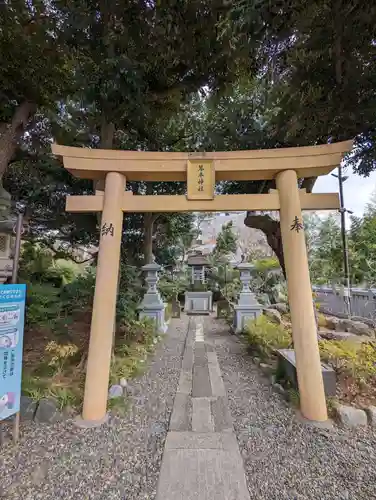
column 44, row 410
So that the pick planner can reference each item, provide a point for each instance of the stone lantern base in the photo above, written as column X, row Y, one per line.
column 198, row 302
column 244, row 313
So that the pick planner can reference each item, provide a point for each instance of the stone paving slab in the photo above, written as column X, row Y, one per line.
column 202, row 420
column 185, row 382
column 180, row 418
column 216, row 382
column 202, row 474
column 201, row 386
column 201, row 440
column 221, row 414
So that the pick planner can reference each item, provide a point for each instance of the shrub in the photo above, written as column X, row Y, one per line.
column 43, row 304
column 359, row 360
column 264, row 336
column 63, row 271
column 130, row 293
column 79, row 294
column 321, row 320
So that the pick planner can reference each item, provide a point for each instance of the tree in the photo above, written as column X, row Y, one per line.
column 323, row 237
column 226, row 241
column 35, row 69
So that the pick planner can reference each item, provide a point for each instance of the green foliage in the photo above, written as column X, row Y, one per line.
column 265, row 337
column 226, row 241
column 43, row 305
column 359, row 360
column 130, row 292
column 325, row 248
column 119, row 406
column 78, row 295
column 131, row 349
column 267, row 280
column 171, row 287
column 323, row 237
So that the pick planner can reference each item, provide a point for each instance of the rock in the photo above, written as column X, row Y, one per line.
column 356, row 327
column 273, row 315
column 331, row 322
column 371, row 414
column 263, row 298
column 47, row 411
column 123, row 382
column 350, row 417
column 266, row 368
column 115, row 391
column 28, row 407
column 281, row 307
column 39, row 474
column 333, row 335
column 256, row 360
column 279, row 389
column 368, row 321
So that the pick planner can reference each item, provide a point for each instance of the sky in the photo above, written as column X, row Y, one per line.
column 357, row 189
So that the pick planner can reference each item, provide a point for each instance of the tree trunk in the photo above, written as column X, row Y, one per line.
column 272, row 231
column 148, row 237
column 10, row 133
column 106, row 142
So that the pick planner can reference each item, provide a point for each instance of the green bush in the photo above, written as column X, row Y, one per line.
column 43, row 304
column 79, row 294
column 356, row 359
column 63, row 271
column 264, row 336
column 131, row 289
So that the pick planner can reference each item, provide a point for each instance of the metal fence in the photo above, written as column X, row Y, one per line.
column 331, row 300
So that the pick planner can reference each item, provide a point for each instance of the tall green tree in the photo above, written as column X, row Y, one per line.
column 35, row 69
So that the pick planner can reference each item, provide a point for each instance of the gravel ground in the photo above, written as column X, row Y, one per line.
column 120, row 460
column 284, row 459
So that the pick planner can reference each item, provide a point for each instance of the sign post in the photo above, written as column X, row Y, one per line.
column 12, row 314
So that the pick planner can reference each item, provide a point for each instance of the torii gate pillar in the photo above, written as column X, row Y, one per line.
column 104, row 306
column 308, row 365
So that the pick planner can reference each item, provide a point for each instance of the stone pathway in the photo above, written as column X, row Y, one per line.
column 200, row 400
column 201, row 458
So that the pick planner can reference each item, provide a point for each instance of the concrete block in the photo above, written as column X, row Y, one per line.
column 287, row 365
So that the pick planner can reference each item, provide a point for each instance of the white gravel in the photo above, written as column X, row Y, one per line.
column 118, row 461
column 286, row 460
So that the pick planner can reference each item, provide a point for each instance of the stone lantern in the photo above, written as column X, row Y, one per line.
column 247, row 307
column 152, row 305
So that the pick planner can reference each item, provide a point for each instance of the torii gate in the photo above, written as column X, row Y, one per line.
column 201, row 171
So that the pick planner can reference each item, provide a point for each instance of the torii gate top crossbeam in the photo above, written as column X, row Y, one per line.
column 308, row 161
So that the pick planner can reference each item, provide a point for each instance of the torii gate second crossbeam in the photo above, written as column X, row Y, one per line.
column 202, row 171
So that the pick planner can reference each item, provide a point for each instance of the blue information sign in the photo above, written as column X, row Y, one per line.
column 12, row 314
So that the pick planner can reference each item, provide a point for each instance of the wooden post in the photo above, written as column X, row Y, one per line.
column 311, row 387
column 104, row 306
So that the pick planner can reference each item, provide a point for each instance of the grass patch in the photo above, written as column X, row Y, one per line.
column 119, row 406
